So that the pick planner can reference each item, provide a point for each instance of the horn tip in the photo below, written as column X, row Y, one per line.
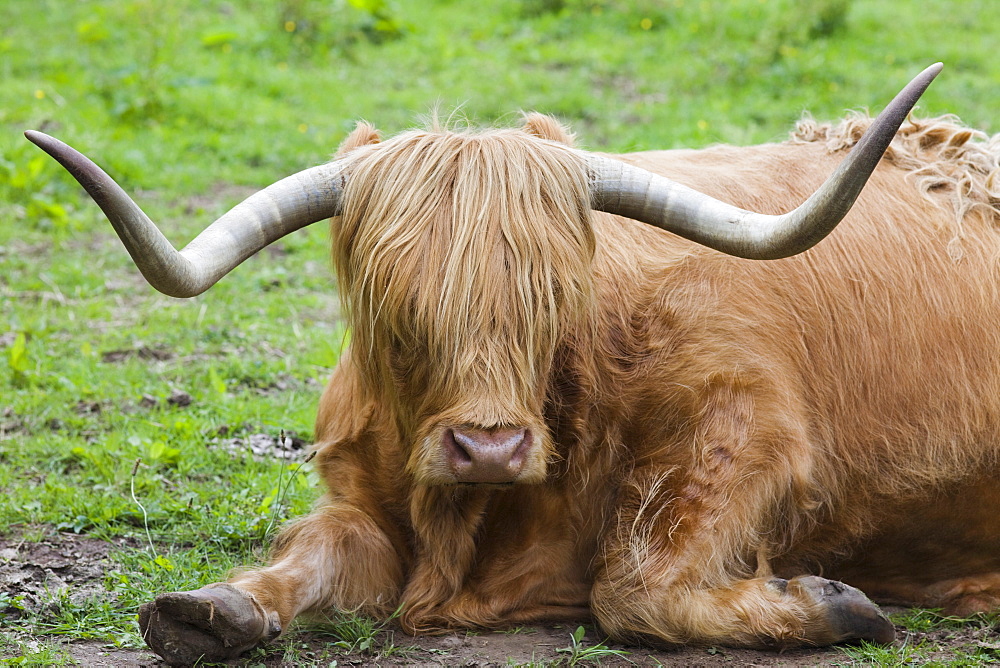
column 43, row 141
column 934, row 69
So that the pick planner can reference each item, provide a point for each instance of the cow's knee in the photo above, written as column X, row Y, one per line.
column 338, row 557
column 210, row 624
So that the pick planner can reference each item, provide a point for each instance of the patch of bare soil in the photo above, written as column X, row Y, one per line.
column 90, row 653
column 33, row 571
column 263, row 446
column 33, row 574
column 543, row 645
column 142, row 352
column 969, row 638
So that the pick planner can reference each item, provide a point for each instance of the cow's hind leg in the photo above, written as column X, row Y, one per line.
column 963, row 597
column 336, row 557
column 958, row 597
column 938, row 550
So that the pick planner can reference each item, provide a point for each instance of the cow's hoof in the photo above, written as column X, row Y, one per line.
column 213, row 623
column 847, row 614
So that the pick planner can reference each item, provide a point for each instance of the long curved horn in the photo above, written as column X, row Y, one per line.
column 288, row 205
column 632, row 192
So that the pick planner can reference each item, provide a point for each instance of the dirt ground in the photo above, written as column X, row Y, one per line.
column 76, row 564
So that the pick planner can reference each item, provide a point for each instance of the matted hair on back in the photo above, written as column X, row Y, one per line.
column 941, row 155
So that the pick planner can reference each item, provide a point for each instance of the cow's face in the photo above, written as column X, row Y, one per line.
column 462, row 261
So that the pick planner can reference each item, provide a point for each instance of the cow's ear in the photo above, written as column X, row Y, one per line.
column 364, row 134
column 547, row 127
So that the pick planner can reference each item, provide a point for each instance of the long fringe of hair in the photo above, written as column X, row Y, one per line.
column 471, row 244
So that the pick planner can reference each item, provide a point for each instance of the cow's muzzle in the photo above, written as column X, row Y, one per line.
column 486, row 455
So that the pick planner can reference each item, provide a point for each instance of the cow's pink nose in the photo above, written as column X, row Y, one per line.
column 481, row 455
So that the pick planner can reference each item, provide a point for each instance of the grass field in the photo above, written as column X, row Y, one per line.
column 151, row 425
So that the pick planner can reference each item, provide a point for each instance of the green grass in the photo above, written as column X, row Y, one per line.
column 971, row 641
column 191, row 105
column 19, row 653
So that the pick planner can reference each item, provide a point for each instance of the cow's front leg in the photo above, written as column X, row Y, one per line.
column 687, row 559
column 676, row 575
column 337, row 557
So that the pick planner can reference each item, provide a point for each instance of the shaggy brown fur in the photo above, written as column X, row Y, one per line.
column 702, row 424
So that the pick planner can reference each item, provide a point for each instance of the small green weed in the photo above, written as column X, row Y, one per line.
column 17, row 359
column 9, row 602
column 579, row 653
column 354, row 633
column 281, row 489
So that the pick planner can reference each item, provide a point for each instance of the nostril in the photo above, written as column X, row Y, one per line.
column 459, row 454
column 523, row 440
